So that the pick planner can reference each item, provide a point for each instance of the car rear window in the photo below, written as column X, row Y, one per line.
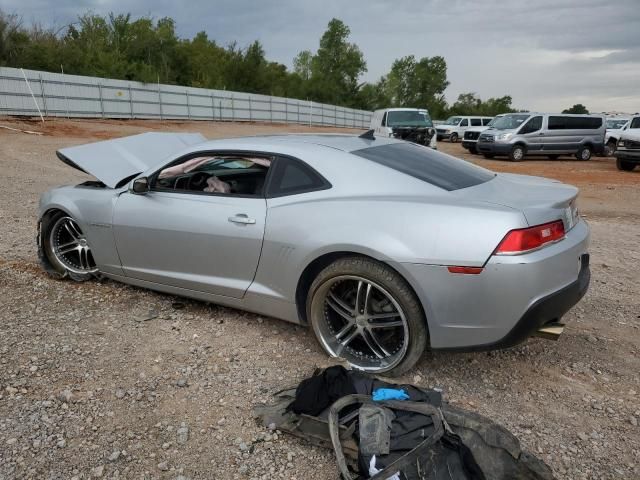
column 428, row 165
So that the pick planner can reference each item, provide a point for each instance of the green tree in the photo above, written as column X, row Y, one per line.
column 578, row 108
column 335, row 68
column 418, row 83
column 471, row 104
column 302, row 64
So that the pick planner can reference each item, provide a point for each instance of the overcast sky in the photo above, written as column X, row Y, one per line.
column 546, row 54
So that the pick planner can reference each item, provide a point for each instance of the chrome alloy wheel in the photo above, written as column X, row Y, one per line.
column 70, row 247
column 360, row 321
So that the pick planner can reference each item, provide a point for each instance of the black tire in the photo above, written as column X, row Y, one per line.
column 453, row 138
column 625, row 166
column 584, row 153
column 517, row 153
column 488, row 155
column 358, row 269
column 610, row 148
column 473, row 150
column 553, row 157
column 51, row 262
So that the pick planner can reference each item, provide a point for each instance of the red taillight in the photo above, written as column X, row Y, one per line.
column 527, row 239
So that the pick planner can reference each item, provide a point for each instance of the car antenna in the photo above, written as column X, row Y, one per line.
column 367, row 135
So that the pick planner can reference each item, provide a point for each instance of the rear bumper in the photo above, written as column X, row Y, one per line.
column 508, row 301
column 546, row 310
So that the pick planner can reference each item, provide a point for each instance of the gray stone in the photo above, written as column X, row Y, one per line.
column 98, row 471
column 182, row 434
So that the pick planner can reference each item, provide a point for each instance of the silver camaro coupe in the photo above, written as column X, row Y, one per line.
column 383, row 247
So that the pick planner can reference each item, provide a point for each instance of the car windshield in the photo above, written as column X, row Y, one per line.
column 453, row 121
column 509, row 122
column 616, row 123
column 409, row 118
column 493, row 121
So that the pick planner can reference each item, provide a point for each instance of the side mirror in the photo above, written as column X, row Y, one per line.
column 140, row 186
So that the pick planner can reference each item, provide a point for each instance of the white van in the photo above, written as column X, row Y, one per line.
column 455, row 126
column 470, row 137
column 411, row 124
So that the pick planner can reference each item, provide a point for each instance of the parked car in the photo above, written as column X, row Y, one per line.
column 519, row 134
column 628, row 149
column 470, row 138
column 411, row 124
column 382, row 247
column 454, row 128
column 615, row 126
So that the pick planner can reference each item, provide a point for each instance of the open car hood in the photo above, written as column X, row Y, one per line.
column 112, row 161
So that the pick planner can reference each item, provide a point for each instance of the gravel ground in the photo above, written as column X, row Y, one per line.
column 103, row 380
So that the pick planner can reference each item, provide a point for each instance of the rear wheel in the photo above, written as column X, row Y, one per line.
column 517, row 153
column 625, row 165
column 66, row 249
column 366, row 313
column 453, row 138
column 584, row 153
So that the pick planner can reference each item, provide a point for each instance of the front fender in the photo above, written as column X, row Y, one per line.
column 92, row 208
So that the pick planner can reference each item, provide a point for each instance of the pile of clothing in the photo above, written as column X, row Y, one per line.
column 384, row 431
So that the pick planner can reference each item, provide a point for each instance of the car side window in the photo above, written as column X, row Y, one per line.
column 384, row 120
column 292, row 176
column 215, row 173
column 532, row 125
column 464, row 123
column 476, row 122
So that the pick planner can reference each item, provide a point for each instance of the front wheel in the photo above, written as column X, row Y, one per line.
column 366, row 313
column 65, row 251
column 584, row 154
column 453, row 138
column 517, row 153
column 625, row 165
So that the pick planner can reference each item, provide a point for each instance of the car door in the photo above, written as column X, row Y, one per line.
column 208, row 242
column 533, row 133
column 462, row 127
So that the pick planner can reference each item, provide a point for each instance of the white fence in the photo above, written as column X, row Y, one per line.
column 73, row 96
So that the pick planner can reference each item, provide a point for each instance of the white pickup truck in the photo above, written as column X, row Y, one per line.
column 628, row 149
column 411, row 124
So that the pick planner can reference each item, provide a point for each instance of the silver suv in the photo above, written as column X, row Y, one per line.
column 519, row 134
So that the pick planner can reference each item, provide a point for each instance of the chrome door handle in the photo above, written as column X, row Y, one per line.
column 242, row 219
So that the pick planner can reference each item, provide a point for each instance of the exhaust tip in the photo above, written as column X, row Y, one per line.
column 550, row 331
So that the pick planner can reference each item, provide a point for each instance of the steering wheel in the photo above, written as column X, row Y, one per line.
column 198, row 181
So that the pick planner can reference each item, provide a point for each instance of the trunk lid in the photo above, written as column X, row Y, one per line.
column 541, row 200
column 112, row 161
